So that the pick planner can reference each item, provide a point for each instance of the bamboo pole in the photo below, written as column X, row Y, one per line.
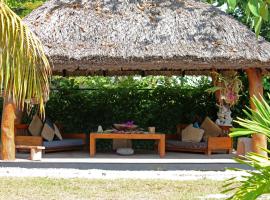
column 7, row 130
column 256, row 89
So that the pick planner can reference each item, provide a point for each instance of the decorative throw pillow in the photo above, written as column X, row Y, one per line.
column 48, row 131
column 210, row 129
column 35, row 126
column 196, row 125
column 57, row 132
column 191, row 134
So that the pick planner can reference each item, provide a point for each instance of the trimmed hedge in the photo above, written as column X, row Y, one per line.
column 161, row 106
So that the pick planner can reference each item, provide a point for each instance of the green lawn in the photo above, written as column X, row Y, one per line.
column 66, row 189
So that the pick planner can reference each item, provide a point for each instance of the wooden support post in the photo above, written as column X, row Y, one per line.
column 18, row 116
column 256, row 89
column 216, row 84
column 7, row 130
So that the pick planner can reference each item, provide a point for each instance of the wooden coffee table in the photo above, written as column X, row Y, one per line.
column 131, row 136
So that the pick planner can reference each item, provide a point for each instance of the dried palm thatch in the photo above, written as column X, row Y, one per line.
column 125, row 36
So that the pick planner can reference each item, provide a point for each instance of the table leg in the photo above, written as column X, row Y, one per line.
column 161, row 146
column 92, row 146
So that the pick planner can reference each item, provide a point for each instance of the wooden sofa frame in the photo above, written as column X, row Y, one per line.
column 22, row 137
column 213, row 143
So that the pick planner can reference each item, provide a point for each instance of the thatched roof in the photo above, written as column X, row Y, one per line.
column 151, row 37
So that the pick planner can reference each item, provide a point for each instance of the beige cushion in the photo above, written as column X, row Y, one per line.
column 191, row 134
column 57, row 132
column 210, row 129
column 35, row 126
column 125, row 151
column 47, row 132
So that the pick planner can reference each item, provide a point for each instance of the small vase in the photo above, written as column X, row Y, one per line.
column 100, row 129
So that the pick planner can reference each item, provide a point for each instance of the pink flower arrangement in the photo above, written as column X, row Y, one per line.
column 231, row 97
column 129, row 123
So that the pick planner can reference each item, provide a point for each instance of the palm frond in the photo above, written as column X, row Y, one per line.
column 257, row 121
column 257, row 182
column 24, row 68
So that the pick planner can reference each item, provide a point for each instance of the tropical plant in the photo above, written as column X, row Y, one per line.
column 24, row 71
column 257, row 182
column 229, row 85
column 24, row 7
column 253, row 12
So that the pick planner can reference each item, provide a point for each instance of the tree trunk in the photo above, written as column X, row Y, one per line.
column 256, row 89
column 7, row 130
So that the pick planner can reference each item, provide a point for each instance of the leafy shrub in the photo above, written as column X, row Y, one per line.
column 81, row 104
column 81, row 109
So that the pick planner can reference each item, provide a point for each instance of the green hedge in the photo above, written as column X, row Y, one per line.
column 81, row 104
column 161, row 106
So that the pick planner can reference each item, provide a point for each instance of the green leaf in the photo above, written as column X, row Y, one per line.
column 263, row 11
column 213, row 89
column 231, row 4
column 253, row 7
column 258, row 26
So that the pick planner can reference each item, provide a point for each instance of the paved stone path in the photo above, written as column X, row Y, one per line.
column 113, row 174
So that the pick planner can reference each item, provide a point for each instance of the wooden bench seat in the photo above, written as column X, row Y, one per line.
column 35, row 151
column 23, row 137
column 213, row 143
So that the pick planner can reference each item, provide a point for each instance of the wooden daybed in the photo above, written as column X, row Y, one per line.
column 70, row 141
column 174, row 143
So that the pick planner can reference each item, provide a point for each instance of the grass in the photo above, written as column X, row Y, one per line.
column 66, row 189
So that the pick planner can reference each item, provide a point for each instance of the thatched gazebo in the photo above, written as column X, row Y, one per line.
column 157, row 37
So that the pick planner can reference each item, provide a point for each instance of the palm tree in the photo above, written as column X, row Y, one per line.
column 257, row 183
column 24, row 73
